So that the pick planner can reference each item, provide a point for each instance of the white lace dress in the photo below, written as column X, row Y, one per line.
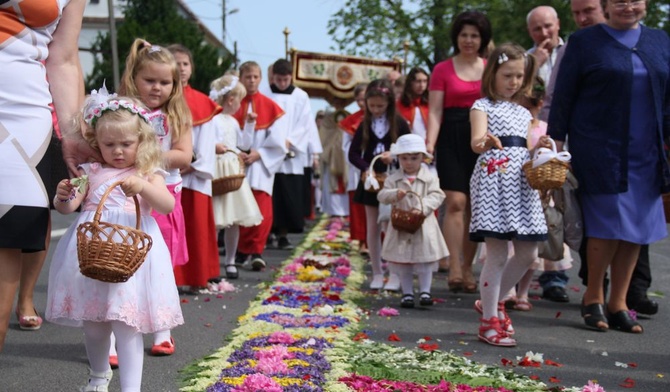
column 148, row 301
column 238, row 207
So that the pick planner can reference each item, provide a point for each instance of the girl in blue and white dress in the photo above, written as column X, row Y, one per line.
column 148, row 301
column 504, row 206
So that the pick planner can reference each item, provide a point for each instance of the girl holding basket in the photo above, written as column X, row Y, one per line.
column 413, row 188
column 119, row 129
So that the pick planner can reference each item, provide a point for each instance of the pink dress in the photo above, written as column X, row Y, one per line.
column 148, row 301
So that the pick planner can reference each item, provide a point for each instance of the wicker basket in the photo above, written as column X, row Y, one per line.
column 380, row 177
column 407, row 220
column 223, row 185
column 109, row 252
column 549, row 175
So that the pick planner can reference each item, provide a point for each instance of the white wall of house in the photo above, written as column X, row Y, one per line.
column 96, row 20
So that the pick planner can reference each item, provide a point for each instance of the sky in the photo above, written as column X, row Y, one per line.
column 257, row 26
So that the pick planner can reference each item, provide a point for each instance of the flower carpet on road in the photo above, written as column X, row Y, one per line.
column 304, row 332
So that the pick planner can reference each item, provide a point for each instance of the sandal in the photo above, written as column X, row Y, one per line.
column 231, row 272
column 594, row 315
column 506, row 321
column 523, row 305
column 29, row 323
column 500, row 338
column 425, row 299
column 624, row 321
column 455, row 285
column 407, row 301
column 107, row 376
column 469, row 284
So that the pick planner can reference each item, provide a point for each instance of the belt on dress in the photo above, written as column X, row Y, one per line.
column 513, row 141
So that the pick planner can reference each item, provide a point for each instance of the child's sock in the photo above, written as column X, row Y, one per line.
column 425, row 277
column 131, row 356
column 161, row 336
column 112, row 344
column 97, row 341
column 374, row 239
column 524, row 284
column 231, row 237
column 490, row 277
column 404, row 272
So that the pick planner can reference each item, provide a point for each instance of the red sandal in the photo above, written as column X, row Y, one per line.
column 500, row 338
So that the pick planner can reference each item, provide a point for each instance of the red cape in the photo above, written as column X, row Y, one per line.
column 350, row 123
column 267, row 111
column 202, row 108
column 408, row 112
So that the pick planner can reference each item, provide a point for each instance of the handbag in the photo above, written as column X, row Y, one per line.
column 552, row 248
column 567, row 201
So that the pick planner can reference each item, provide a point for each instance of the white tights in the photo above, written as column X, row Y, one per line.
column 499, row 274
column 374, row 239
column 130, row 348
column 405, row 272
column 231, row 237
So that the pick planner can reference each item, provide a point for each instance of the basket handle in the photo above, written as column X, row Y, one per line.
column 371, row 169
column 239, row 158
column 418, row 197
column 98, row 210
column 543, row 155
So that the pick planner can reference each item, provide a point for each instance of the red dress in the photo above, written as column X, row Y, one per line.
column 357, row 222
column 201, row 242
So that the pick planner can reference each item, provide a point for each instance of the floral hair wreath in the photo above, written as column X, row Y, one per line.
column 102, row 101
column 216, row 94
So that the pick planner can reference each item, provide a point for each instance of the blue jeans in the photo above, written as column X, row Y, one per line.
column 550, row 279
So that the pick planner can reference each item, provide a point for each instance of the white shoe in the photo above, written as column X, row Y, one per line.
column 393, row 283
column 107, row 376
column 377, row 282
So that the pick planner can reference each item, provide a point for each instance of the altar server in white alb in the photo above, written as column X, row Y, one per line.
column 263, row 160
column 289, row 193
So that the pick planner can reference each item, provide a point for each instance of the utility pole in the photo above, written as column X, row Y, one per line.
column 286, row 33
column 112, row 38
column 223, row 23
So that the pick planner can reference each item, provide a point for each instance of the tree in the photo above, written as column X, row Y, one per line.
column 159, row 22
column 378, row 28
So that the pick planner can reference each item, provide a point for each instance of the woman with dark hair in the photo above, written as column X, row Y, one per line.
column 413, row 102
column 455, row 84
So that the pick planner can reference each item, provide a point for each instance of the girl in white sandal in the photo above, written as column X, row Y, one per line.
column 119, row 129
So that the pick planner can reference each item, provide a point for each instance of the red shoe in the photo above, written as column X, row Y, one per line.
column 114, row 361
column 165, row 348
column 505, row 322
column 500, row 338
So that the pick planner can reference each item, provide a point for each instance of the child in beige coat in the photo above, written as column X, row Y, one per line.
column 419, row 252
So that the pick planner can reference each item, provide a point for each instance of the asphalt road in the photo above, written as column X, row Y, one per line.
column 54, row 358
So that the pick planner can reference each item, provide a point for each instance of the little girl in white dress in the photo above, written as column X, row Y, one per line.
column 148, row 301
column 236, row 208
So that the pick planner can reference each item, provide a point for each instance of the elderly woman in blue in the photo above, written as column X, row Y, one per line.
column 615, row 133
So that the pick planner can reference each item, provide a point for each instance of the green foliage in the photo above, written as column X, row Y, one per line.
column 378, row 28
column 159, row 22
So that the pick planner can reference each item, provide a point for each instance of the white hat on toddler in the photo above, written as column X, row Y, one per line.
column 410, row 144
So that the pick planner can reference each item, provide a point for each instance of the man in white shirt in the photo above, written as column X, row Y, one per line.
column 543, row 27
column 289, row 183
